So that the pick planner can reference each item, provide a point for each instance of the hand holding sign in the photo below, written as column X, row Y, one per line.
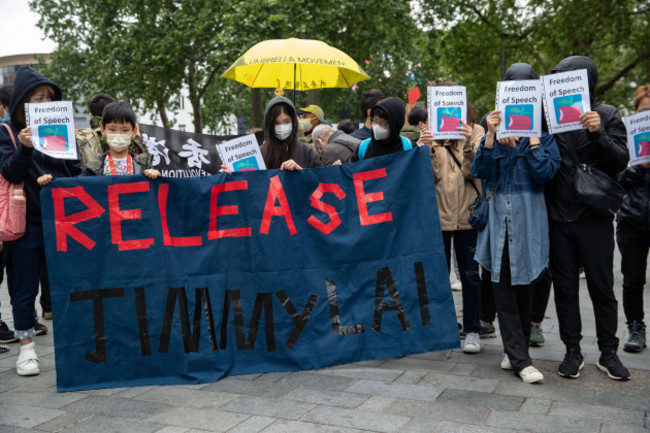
column 590, row 120
column 25, row 137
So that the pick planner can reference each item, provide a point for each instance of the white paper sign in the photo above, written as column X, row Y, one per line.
column 638, row 137
column 241, row 154
column 52, row 128
column 566, row 97
column 447, row 107
column 520, row 103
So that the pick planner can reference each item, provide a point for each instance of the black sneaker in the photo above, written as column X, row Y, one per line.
column 610, row 364
column 6, row 334
column 487, row 331
column 636, row 341
column 39, row 328
column 571, row 364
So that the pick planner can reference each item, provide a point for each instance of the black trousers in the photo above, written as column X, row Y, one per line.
column 513, row 308
column 633, row 245
column 590, row 243
column 541, row 292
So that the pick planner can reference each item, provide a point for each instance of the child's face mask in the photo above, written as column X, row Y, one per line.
column 118, row 142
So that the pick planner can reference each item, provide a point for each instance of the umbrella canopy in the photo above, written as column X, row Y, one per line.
column 295, row 64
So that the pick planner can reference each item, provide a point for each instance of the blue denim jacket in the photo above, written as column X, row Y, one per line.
column 517, row 206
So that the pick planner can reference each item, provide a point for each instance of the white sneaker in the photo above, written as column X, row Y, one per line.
column 472, row 343
column 27, row 363
column 531, row 375
column 456, row 286
column 505, row 363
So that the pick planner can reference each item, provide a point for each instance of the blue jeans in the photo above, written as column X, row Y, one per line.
column 465, row 247
column 25, row 260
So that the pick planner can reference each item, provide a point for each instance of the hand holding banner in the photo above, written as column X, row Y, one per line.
column 566, row 98
column 638, row 137
column 520, row 103
column 52, row 126
column 447, row 107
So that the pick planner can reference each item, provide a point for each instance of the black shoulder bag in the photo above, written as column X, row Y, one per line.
column 479, row 209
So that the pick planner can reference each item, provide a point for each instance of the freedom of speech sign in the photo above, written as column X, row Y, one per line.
column 189, row 280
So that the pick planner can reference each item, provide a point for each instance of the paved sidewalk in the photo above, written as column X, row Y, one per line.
column 440, row 392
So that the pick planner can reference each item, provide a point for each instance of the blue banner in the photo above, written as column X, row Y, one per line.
column 182, row 281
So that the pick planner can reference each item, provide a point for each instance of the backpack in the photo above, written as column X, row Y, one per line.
column 363, row 146
column 13, row 205
column 90, row 146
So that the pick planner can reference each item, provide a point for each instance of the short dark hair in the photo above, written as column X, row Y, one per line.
column 417, row 115
column 369, row 99
column 347, row 126
column 5, row 94
column 98, row 102
column 118, row 112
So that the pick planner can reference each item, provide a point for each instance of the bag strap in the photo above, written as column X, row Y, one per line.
column 11, row 134
column 451, row 152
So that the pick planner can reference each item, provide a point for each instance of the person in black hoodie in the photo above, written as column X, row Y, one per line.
column 633, row 238
column 579, row 236
column 281, row 148
column 387, row 119
column 26, row 255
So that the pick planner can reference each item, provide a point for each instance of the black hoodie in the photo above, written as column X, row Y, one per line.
column 302, row 153
column 605, row 149
column 25, row 163
column 396, row 111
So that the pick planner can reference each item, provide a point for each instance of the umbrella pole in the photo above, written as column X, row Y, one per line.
column 294, row 84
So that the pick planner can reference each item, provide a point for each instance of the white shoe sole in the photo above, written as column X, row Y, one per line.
column 472, row 349
column 605, row 370
column 533, row 380
column 574, row 376
column 27, row 372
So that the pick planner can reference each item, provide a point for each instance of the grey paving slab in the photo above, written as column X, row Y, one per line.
column 612, row 415
column 271, row 377
column 401, row 390
column 469, row 383
column 40, row 398
column 9, row 429
column 542, row 423
column 538, row 406
column 411, row 377
column 359, row 372
column 9, row 378
column 452, row 427
column 418, row 364
column 115, row 406
column 481, row 399
column 247, row 387
column 18, row 415
column 487, row 371
column 286, row 426
column 325, row 382
column 112, row 424
column 60, row 422
column 462, row 369
column 213, row 420
column 551, row 392
column 376, row 422
column 268, row 407
column 253, row 424
column 134, row 391
column 613, row 428
column 327, row 398
column 170, row 429
column 440, row 411
column 376, row 403
column 625, row 401
column 176, row 396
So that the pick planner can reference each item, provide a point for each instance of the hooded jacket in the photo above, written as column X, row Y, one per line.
column 605, row 149
column 635, row 210
column 25, row 163
column 302, row 153
column 339, row 146
column 396, row 111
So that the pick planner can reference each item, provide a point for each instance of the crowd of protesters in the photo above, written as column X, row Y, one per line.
column 538, row 232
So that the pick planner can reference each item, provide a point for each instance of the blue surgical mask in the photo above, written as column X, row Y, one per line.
column 5, row 118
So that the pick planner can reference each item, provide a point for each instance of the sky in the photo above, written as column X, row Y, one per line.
column 18, row 31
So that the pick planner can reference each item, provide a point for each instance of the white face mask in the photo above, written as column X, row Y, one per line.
column 283, row 131
column 118, row 142
column 305, row 124
column 379, row 132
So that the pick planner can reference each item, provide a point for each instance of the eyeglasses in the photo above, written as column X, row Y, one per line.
column 381, row 123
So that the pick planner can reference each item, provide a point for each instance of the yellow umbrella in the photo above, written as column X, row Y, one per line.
column 300, row 64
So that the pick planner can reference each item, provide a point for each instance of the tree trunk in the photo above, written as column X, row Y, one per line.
column 257, row 117
column 195, row 98
column 313, row 97
column 160, row 103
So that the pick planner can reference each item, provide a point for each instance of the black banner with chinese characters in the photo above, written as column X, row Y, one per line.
column 184, row 154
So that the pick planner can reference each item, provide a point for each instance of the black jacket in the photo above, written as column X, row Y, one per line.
column 339, row 146
column 24, row 163
column 605, row 149
column 635, row 210
column 302, row 153
column 396, row 111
